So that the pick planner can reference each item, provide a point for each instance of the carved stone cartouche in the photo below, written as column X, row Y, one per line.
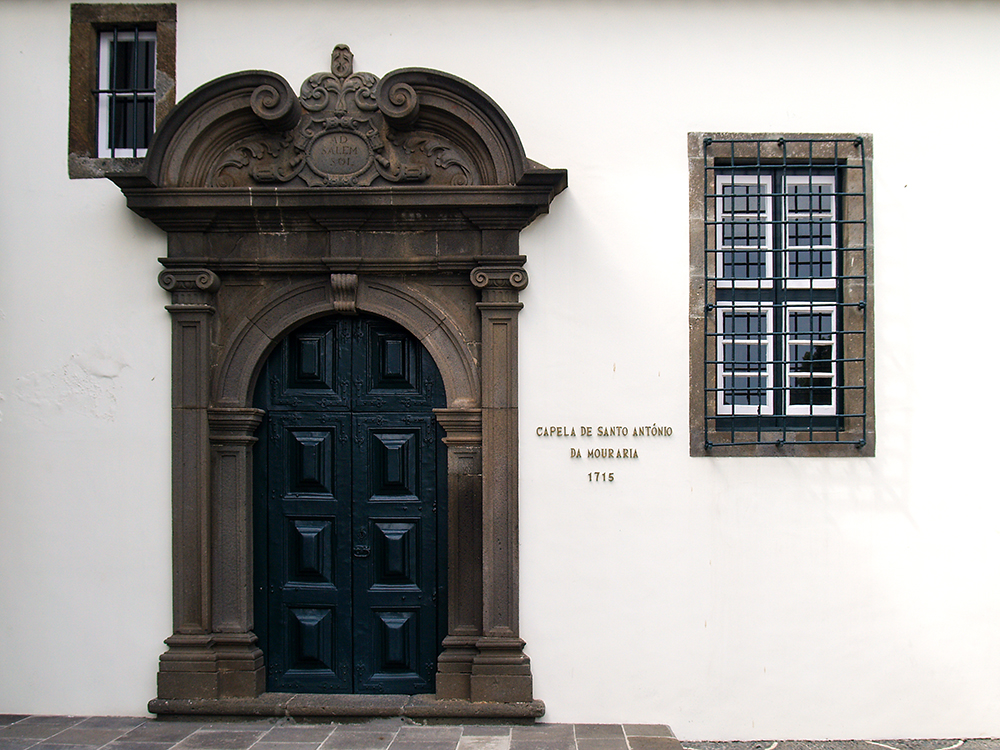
column 349, row 133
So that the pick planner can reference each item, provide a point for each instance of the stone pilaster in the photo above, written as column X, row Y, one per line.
column 463, row 437
column 188, row 667
column 240, row 661
column 500, row 671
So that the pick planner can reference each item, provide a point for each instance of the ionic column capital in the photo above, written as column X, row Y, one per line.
column 190, row 287
column 500, row 284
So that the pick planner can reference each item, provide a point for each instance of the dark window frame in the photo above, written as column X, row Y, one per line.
column 87, row 21
column 847, row 429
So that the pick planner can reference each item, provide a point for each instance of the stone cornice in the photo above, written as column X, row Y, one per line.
column 406, row 208
column 460, row 265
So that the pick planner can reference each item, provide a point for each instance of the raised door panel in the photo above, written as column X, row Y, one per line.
column 309, row 548
column 395, row 590
column 313, row 368
column 392, row 371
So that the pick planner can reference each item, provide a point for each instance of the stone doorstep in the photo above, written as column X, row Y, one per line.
column 345, row 707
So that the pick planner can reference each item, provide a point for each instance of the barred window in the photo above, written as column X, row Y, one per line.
column 126, row 69
column 122, row 63
column 781, row 295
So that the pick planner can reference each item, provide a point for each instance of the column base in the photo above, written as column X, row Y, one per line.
column 210, row 666
column 501, row 672
column 241, row 665
column 188, row 668
column 455, row 668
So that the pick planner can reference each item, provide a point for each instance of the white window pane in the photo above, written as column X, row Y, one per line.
column 802, row 233
column 745, row 225
column 811, row 393
column 744, row 322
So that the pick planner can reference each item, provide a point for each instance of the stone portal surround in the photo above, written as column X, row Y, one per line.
column 270, row 225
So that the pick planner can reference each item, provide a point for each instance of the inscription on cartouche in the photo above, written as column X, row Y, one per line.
column 616, row 451
column 340, row 153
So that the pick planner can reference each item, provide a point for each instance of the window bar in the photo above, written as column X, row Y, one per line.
column 860, row 144
column 781, row 293
column 708, row 178
column 832, row 254
column 812, row 295
column 735, row 394
column 112, row 96
column 769, row 254
column 845, row 225
column 837, row 323
column 135, row 93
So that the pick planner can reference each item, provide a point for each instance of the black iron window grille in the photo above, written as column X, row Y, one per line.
column 126, row 91
column 786, row 323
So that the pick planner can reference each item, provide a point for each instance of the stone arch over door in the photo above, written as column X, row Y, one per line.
column 401, row 301
column 401, row 197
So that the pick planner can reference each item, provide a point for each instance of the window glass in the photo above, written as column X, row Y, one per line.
column 126, row 92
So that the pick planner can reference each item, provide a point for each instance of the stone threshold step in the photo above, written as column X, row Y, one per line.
column 348, row 707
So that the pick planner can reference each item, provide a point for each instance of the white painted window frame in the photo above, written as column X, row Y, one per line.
column 765, row 180
column 789, row 376
column 105, row 38
column 789, row 217
column 766, row 338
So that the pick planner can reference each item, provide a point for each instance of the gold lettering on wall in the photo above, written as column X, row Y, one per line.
column 636, row 435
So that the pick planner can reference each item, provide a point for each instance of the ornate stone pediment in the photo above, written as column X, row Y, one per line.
column 344, row 137
column 418, row 150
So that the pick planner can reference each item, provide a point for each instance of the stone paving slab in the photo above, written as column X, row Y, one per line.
column 929, row 744
column 24, row 732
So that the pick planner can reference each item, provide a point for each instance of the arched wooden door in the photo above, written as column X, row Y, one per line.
column 350, row 521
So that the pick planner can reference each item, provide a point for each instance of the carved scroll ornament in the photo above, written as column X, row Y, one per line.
column 349, row 132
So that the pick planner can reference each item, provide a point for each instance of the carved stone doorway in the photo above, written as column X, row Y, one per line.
column 402, row 198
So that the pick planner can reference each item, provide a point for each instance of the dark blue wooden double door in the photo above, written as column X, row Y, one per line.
column 350, row 524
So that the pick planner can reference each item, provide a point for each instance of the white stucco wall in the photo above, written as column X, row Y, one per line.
column 730, row 598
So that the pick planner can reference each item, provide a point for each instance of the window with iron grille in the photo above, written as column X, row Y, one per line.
column 122, row 61
column 781, row 295
column 126, row 87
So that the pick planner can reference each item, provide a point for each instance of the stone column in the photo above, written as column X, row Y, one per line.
column 501, row 671
column 463, row 437
column 188, row 668
column 239, row 660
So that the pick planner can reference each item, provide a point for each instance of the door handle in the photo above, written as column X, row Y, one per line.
column 361, row 550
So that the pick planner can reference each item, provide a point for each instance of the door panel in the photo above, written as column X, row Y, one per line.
column 350, row 589
column 392, row 371
column 308, row 578
column 311, row 368
column 395, row 513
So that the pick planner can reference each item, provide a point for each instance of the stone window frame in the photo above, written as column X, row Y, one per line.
column 857, row 439
column 87, row 21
